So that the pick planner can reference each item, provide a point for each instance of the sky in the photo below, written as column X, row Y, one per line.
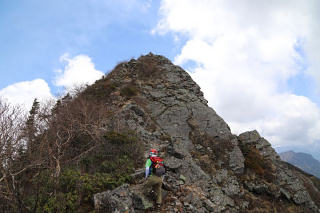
column 257, row 62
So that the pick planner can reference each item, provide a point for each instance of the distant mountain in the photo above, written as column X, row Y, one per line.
column 302, row 160
column 313, row 149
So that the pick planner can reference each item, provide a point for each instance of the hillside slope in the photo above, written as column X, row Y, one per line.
column 209, row 168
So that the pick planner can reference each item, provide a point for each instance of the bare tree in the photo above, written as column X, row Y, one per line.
column 20, row 139
column 49, row 138
column 73, row 119
column 11, row 143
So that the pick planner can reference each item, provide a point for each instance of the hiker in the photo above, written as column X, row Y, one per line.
column 154, row 172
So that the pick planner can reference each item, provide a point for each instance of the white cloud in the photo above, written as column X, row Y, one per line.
column 23, row 93
column 79, row 70
column 246, row 53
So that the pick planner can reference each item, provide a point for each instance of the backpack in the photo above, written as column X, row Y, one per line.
column 157, row 166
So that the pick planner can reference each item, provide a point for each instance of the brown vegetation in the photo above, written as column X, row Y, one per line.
column 254, row 161
column 58, row 158
column 101, row 90
column 129, row 91
column 10, row 147
column 148, row 68
column 213, row 153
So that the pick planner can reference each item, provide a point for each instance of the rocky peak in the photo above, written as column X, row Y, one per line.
column 208, row 168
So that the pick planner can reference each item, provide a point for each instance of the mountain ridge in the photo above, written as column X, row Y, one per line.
column 228, row 172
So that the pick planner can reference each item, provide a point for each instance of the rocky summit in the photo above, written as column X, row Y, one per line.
column 209, row 169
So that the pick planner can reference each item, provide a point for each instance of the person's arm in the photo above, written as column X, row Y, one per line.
column 148, row 165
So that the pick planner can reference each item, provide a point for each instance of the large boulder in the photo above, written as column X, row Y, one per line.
column 124, row 199
column 118, row 200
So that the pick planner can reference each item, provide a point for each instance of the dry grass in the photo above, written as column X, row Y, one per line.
column 215, row 151
column 148, row 68
column 314, row 193
column 129, row 91
column 257, row 163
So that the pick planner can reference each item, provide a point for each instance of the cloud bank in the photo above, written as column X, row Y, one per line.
column 245, row 55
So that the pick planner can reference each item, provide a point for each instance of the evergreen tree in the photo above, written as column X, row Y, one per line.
column 31, row 126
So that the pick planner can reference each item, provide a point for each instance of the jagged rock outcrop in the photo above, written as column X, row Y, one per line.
column 208, row 168
column 286, row 182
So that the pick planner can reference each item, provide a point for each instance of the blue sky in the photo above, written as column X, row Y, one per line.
column 34, row 34
column 257, row 64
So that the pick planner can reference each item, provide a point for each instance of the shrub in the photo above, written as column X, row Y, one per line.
column 256, row 162
column 117, row 153
column 128, row 91
column 74, row 190
column 218, row 154
column 101, row 89
column 148, row 68
column 106, row 167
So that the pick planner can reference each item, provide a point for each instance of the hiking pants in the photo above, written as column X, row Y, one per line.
column 155, row 182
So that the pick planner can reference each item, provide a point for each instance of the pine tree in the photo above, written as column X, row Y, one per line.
column 31, row 126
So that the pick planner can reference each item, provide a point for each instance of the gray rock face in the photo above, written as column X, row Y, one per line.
column 180, row 100
column 236, row 161
column 118, row 200
column 122, row 199
column 287, row 182
column 173, row 163
column 264, row 147
column 205, row 165
column 293, row 187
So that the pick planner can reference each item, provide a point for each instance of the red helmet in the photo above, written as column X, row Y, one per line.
column 153, row 153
